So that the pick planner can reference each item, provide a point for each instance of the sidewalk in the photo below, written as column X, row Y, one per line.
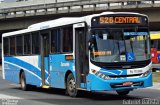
column 156, row 85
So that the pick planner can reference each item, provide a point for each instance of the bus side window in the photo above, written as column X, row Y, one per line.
column 35, row 43
column 27, row 44
column 55, row 41
column 12, row 45
column 6, row 46
column 67, row 39
column 19, row 45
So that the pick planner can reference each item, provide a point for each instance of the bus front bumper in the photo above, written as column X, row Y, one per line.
column 98, row 84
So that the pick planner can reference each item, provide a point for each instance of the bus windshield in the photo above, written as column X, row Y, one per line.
column 119, row 45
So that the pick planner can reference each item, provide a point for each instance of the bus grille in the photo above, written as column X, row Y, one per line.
column 120, row 76
column 119, row 85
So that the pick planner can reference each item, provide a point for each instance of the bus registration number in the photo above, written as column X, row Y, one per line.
column 127, row 83
column 135, row 71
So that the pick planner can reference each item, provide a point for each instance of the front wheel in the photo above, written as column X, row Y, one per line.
column 71, row 86
column 123, row 92
column 24, row 86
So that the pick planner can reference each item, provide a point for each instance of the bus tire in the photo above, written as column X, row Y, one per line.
column 24, row 86
column 123, row 92
column 71, row 86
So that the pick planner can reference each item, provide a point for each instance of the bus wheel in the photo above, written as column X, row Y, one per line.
column 71, row 86
column 24, row 86
column 123, row 92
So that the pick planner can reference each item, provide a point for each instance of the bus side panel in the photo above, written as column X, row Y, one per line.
column 96, row 82
column 58, row 68
column 99, row 84
column 11, row 71
column 29, row 64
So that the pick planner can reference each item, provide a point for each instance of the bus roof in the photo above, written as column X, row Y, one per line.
column 61, row 22
column 155, row 35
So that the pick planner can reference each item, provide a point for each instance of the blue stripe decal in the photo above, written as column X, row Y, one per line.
column 113, row 72
column 23, row 64
column 19, row 67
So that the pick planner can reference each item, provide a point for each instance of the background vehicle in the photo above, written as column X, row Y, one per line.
column 155, row 49
column 106, row 51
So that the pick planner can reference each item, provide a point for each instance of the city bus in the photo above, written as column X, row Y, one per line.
column 109, row 51
column 155, row 49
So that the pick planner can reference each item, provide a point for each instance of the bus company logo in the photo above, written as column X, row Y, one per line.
column 144, row 101
column 65, row 64
column 126, row 67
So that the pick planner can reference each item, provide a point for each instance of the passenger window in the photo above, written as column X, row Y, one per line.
column 35, row 43
column 55, row 41
column 6, row 46
column 19, row 45
column 12, row 45
column 27, row 44
column 67, row 39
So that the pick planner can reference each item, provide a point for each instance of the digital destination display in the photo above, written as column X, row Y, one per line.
column 112, row 20
column 119, row 20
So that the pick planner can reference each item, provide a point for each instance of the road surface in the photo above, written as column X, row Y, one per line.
column 11, row 94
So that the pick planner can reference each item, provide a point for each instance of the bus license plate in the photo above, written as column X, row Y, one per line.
column 127, row 83
column 135, row 71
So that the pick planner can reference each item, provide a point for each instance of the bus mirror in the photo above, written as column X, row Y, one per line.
column 91, row 42
column 89, row 46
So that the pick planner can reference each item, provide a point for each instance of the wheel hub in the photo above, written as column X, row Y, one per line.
column 71, row 85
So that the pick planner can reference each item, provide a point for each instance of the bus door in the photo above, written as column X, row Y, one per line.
column 45, row 58
column 81, row 58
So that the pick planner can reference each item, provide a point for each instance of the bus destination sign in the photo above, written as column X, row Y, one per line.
column 119, row 20
column 112, row 20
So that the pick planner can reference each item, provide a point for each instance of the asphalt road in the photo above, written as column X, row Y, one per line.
column 11, row 94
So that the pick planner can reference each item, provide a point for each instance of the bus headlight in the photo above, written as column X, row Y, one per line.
column 103, row 76
column 147, row 72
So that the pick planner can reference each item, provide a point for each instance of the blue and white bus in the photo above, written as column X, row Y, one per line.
column 99, row 52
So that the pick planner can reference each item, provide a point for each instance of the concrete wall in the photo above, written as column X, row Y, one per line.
column 29, row 2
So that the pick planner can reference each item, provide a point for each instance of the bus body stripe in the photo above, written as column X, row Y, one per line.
column 25, row 66
column 23, row 69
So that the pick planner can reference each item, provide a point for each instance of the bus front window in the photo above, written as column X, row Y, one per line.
column 118, row 46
